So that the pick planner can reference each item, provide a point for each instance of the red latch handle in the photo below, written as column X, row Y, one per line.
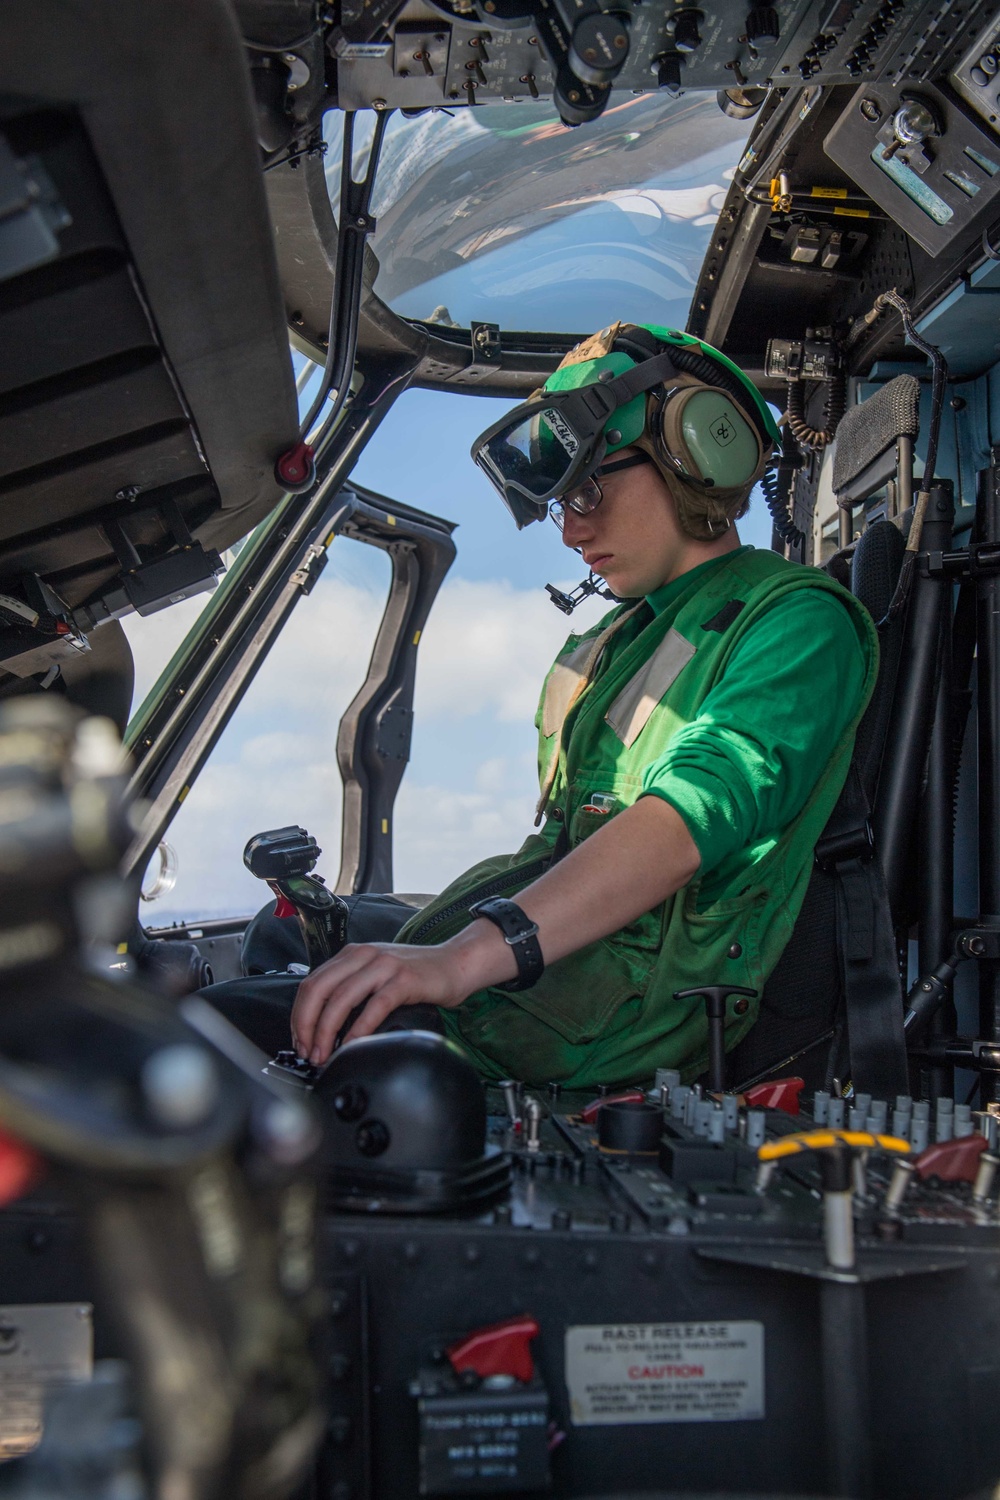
column 20, row 1169
column 499, row 1349
column 589, row 1114
column 295, row 470
column 952, row 1161
column 781, row 1093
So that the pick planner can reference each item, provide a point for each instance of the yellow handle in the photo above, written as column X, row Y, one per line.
column 824, row 1140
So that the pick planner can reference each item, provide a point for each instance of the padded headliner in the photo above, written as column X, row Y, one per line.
column 163, row 92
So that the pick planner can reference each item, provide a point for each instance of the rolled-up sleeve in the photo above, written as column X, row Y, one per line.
column 745, row 767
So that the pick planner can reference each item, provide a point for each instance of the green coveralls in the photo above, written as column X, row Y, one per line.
column 734, row 693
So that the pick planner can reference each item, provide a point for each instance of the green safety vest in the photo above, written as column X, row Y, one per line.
column 607, row 1013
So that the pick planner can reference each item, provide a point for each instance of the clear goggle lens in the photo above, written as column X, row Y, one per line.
column 534, row 456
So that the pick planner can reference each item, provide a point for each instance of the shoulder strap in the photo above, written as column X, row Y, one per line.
column 866, row 943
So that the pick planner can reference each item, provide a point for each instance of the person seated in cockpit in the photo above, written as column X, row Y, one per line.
column 692, row 745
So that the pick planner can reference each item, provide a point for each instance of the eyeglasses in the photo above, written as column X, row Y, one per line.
column 588, row 495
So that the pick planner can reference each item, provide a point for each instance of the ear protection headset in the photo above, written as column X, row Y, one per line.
column 702, row 422
column 697, row 427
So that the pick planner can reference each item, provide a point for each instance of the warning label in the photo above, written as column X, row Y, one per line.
column 665, row 1372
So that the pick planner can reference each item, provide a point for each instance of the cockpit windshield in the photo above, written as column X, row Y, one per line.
column 501, row 214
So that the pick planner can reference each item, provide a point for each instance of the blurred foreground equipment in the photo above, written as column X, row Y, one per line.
column 193, row 1177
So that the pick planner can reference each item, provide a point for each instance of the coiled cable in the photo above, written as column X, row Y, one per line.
column 834, row 406
column 776, row 484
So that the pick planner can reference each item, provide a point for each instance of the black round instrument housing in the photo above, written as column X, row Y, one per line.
column 629, row 1125
column 405, row 1127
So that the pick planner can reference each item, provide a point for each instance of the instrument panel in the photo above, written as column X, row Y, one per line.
column 470, row 52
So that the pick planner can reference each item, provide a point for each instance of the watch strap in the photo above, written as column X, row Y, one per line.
column 520, row 933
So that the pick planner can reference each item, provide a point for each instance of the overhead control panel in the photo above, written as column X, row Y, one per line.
column 454, row 52
column 917, row 153
column 977, row 77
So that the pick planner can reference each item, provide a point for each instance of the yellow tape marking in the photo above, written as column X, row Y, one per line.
column 416, row 638
column 183, row 794
column 391, row 520
column 385, row 825
column 823, row 1140
column 827, row 192
column 853, row 213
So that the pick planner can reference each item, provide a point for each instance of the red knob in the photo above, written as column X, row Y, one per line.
column 20, row 1169
column 952, row 1161
column 499, row 1349
column 782, row 1093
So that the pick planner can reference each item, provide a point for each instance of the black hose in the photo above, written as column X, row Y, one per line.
column 939, row 380
column 342, row 339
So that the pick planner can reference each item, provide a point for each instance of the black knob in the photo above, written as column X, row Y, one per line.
column 578, row 102
column 762, row 26
column 629, row 1125
column 684, row 26
column 740, row 104
column 372, row 1138
column 668, row 72
column 599, row 47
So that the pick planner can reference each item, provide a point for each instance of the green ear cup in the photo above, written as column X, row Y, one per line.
column 712, row 437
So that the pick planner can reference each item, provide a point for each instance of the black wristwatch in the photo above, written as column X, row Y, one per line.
column 521, row 935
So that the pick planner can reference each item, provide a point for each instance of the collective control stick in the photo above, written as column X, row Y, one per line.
column 284, row 858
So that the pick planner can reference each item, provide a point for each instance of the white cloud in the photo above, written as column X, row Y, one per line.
column 484, row 654
column 488, row 646
column 155, row 638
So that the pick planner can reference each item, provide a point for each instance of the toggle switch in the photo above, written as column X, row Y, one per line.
column 498, row 1349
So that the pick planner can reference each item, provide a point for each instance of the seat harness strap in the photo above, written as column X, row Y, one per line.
column 866, row 943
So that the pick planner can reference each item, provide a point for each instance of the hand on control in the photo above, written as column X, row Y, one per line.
column 384, row 976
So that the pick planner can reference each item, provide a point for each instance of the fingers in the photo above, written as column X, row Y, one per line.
column 360, row 989
column 372, row 975
column 385, row 975
column 319, row 987
column 378, row 1009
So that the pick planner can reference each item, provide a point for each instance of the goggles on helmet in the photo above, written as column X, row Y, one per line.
column 554, row 441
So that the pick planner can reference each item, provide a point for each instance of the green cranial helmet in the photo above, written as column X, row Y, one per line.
column 701, row 420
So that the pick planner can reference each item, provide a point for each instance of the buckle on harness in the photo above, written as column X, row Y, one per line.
column 838, row 849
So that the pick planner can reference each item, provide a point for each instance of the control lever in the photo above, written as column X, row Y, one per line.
column 715, row 997
column 498, row 1349
column 284, row 859
column 842, row 1309
column 837, row 1151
